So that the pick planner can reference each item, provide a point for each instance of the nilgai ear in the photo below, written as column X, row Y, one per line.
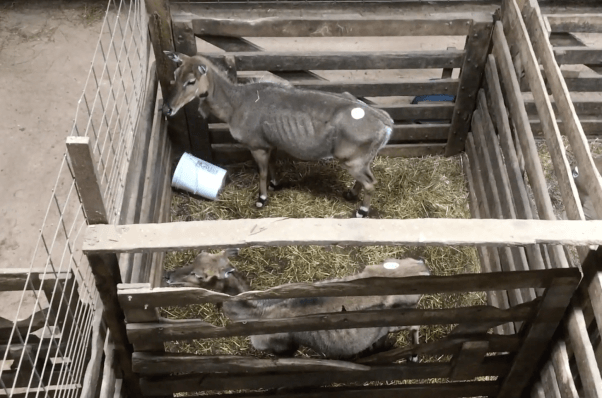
column 173, row 56
column 233, row 252
column 202, row 69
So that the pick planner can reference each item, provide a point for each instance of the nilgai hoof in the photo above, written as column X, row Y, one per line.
column 274, row 186
column 362, row 212
column 350, row 196
column 261, row 201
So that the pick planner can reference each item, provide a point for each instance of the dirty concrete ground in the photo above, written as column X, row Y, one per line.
column 45, row 53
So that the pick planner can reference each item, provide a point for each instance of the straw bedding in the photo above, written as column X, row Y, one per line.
column 407, row 188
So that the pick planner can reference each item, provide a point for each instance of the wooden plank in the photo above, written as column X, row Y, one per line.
column 577, row 139
column 108, row 387
column 578, row 55
column 580, row 23
column 96, row 347
column 592, row 269
column 584, row 84
column 152, row 184
column 134, row 186
column 443, row 390
column 537, row 336
column 157, row 171
column 419, row 132
column 285, row 26
column 217, row 234
column 565, row 39
column 141, row 334
column 476, row 210
column 477, row 47
column 582, row 107
column 401, row 87
column 592, row 274
column 84, row 172
column 493, row 196
column 420, row 111
column 134, row 262
column 490, row 260
column 153, row 364
column 568, row 40
column 591, row 127
column 342, row 60
column 243, row 381
column 231, row 44
column 135, row 177
column 198, row 130
column 514, row 23
column 237, row 153
column 220, row 133
column 449, row 345
column 15, row 279
column 466, row 364
column 156, row 273
column 239, row 44
column 562, row 369
column 548, row 380
column 492, row 144
column 412, row 150
column 318, row 8
column 584, row 353
column 138, row 297
column 161, row 36
column 519, row 116
column 106, row 277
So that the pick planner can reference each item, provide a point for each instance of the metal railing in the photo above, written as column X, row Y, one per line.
column 48, row 353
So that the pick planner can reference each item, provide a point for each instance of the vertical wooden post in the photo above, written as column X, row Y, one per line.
column 198, row 127
column 466, row 363
column 86, row 178
column 160, row 28
column 105, row 268
column 94, row 364
column 477, row 48
column 537, row 334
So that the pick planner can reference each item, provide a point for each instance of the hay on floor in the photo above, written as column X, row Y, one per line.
column 431, row 187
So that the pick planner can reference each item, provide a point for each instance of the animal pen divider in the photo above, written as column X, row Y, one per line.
column 545, row 338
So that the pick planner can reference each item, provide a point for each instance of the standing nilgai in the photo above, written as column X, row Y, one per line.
column 308, row 125
column 215, row 272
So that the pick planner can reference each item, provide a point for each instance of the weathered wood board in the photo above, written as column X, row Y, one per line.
column 135, row 296
column 315, row 231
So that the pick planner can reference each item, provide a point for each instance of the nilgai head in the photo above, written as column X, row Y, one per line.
column 209, row 271
column 190, row 81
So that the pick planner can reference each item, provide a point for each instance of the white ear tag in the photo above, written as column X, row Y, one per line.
column 357, row 113
column 390, row 265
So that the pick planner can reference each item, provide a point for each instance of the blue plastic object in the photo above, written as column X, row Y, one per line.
column 432, row 98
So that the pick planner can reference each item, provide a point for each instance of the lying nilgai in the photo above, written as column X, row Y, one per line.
column 586, row 201
column 306, row 124
column 215, row 272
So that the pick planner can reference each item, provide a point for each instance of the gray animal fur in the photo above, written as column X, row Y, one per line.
column 214, row 271
column 265, row 116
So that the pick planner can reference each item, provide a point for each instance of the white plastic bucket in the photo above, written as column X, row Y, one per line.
column 198, row 177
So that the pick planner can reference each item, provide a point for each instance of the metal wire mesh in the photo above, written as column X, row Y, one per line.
column 48, row 348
